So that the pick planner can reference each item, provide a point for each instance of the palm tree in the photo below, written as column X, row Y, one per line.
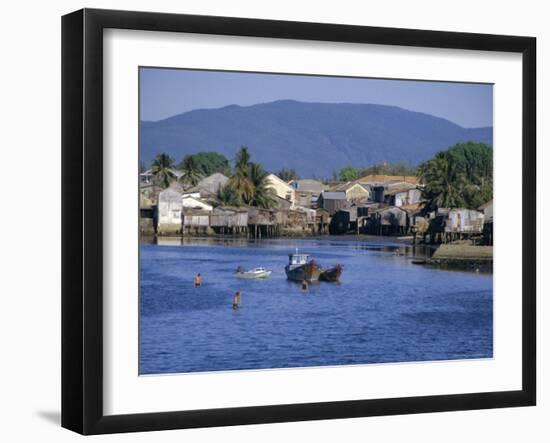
column 249, row 183
column 162, row 167
column 264, row 196
column 242, row 159
column 240, row 181
column 242, row 185
column 192, row 172
column 229, row 196
column 445, row 183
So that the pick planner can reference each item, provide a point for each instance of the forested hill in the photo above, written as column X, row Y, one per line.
column 313, row 138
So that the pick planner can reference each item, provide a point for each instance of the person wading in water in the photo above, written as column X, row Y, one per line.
column 236, row 299
column 304, row 285
column 198, row 280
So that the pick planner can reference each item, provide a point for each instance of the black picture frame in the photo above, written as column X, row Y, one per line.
column 82, row 218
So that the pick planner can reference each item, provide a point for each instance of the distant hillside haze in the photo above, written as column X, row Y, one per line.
column 313, row 138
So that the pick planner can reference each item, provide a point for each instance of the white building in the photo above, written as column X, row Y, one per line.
column 282, row 189
column 169, row 211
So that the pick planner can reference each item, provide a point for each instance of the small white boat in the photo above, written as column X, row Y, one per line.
column 253, row 273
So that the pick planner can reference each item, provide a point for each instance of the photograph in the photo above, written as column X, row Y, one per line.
column 291, row 221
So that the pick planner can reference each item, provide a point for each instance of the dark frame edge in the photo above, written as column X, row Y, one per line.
column 309, row 411
column 529, row 220
column 72, row 365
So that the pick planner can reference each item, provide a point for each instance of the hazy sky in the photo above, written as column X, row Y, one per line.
column 167, row 92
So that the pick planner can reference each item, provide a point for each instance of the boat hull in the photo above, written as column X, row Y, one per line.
column 332, row 274
column 309, row 272
column 253, row 275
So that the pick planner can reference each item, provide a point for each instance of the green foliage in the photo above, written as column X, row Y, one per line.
column 349, row 173
column 161, row 168
column 263, row 196
column 191, row 169
column 242, row 159
column 229, row 196
column 287, row 174
column 240, row 180
column 207, row 163
column 461, row 177
column 249, row 183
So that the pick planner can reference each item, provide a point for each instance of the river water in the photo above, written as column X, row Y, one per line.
column 385, row 309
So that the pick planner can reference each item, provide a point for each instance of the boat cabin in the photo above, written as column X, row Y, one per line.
column 298, row 259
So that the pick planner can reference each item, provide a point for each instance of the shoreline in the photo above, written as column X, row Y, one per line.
column 404, row 240
column 460, row 256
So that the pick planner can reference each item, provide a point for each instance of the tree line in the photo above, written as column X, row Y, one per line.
column 459, row 177
column 247, row 184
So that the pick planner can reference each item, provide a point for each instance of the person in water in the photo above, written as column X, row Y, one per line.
column 236, row 299
column 304, row 285
column 198, row 280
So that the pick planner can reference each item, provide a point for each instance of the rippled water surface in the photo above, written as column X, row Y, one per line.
column 385, row 309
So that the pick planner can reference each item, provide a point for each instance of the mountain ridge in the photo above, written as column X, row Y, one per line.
column 313, row 138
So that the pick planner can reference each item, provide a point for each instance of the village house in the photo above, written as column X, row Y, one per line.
column 322, row 220
column 390, row 220
column 169, row 219
column 265, row 222
column 402, row 196
column 209, row 186
column 195, row 221
column 148, row 198
column 300, row 221
column 355, row 192
column 307, row 192
column 233, row 221
column 463, row 221
column 343, row 221
column 333, row 201
column 487, row 210
column 396, row 193
column 282, row 189
column 148, row 195
column 282, row 204
column 192, row 202
column 453, row 224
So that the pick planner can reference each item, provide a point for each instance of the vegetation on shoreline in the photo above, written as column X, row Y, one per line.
column 248, row 184
column 206, row 163
column 460, row 177
column 162, row 170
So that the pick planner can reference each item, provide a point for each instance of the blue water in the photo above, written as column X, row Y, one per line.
column 385, row 309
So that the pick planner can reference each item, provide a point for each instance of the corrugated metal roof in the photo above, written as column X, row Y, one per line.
column 308, row 185
column 334, row 195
